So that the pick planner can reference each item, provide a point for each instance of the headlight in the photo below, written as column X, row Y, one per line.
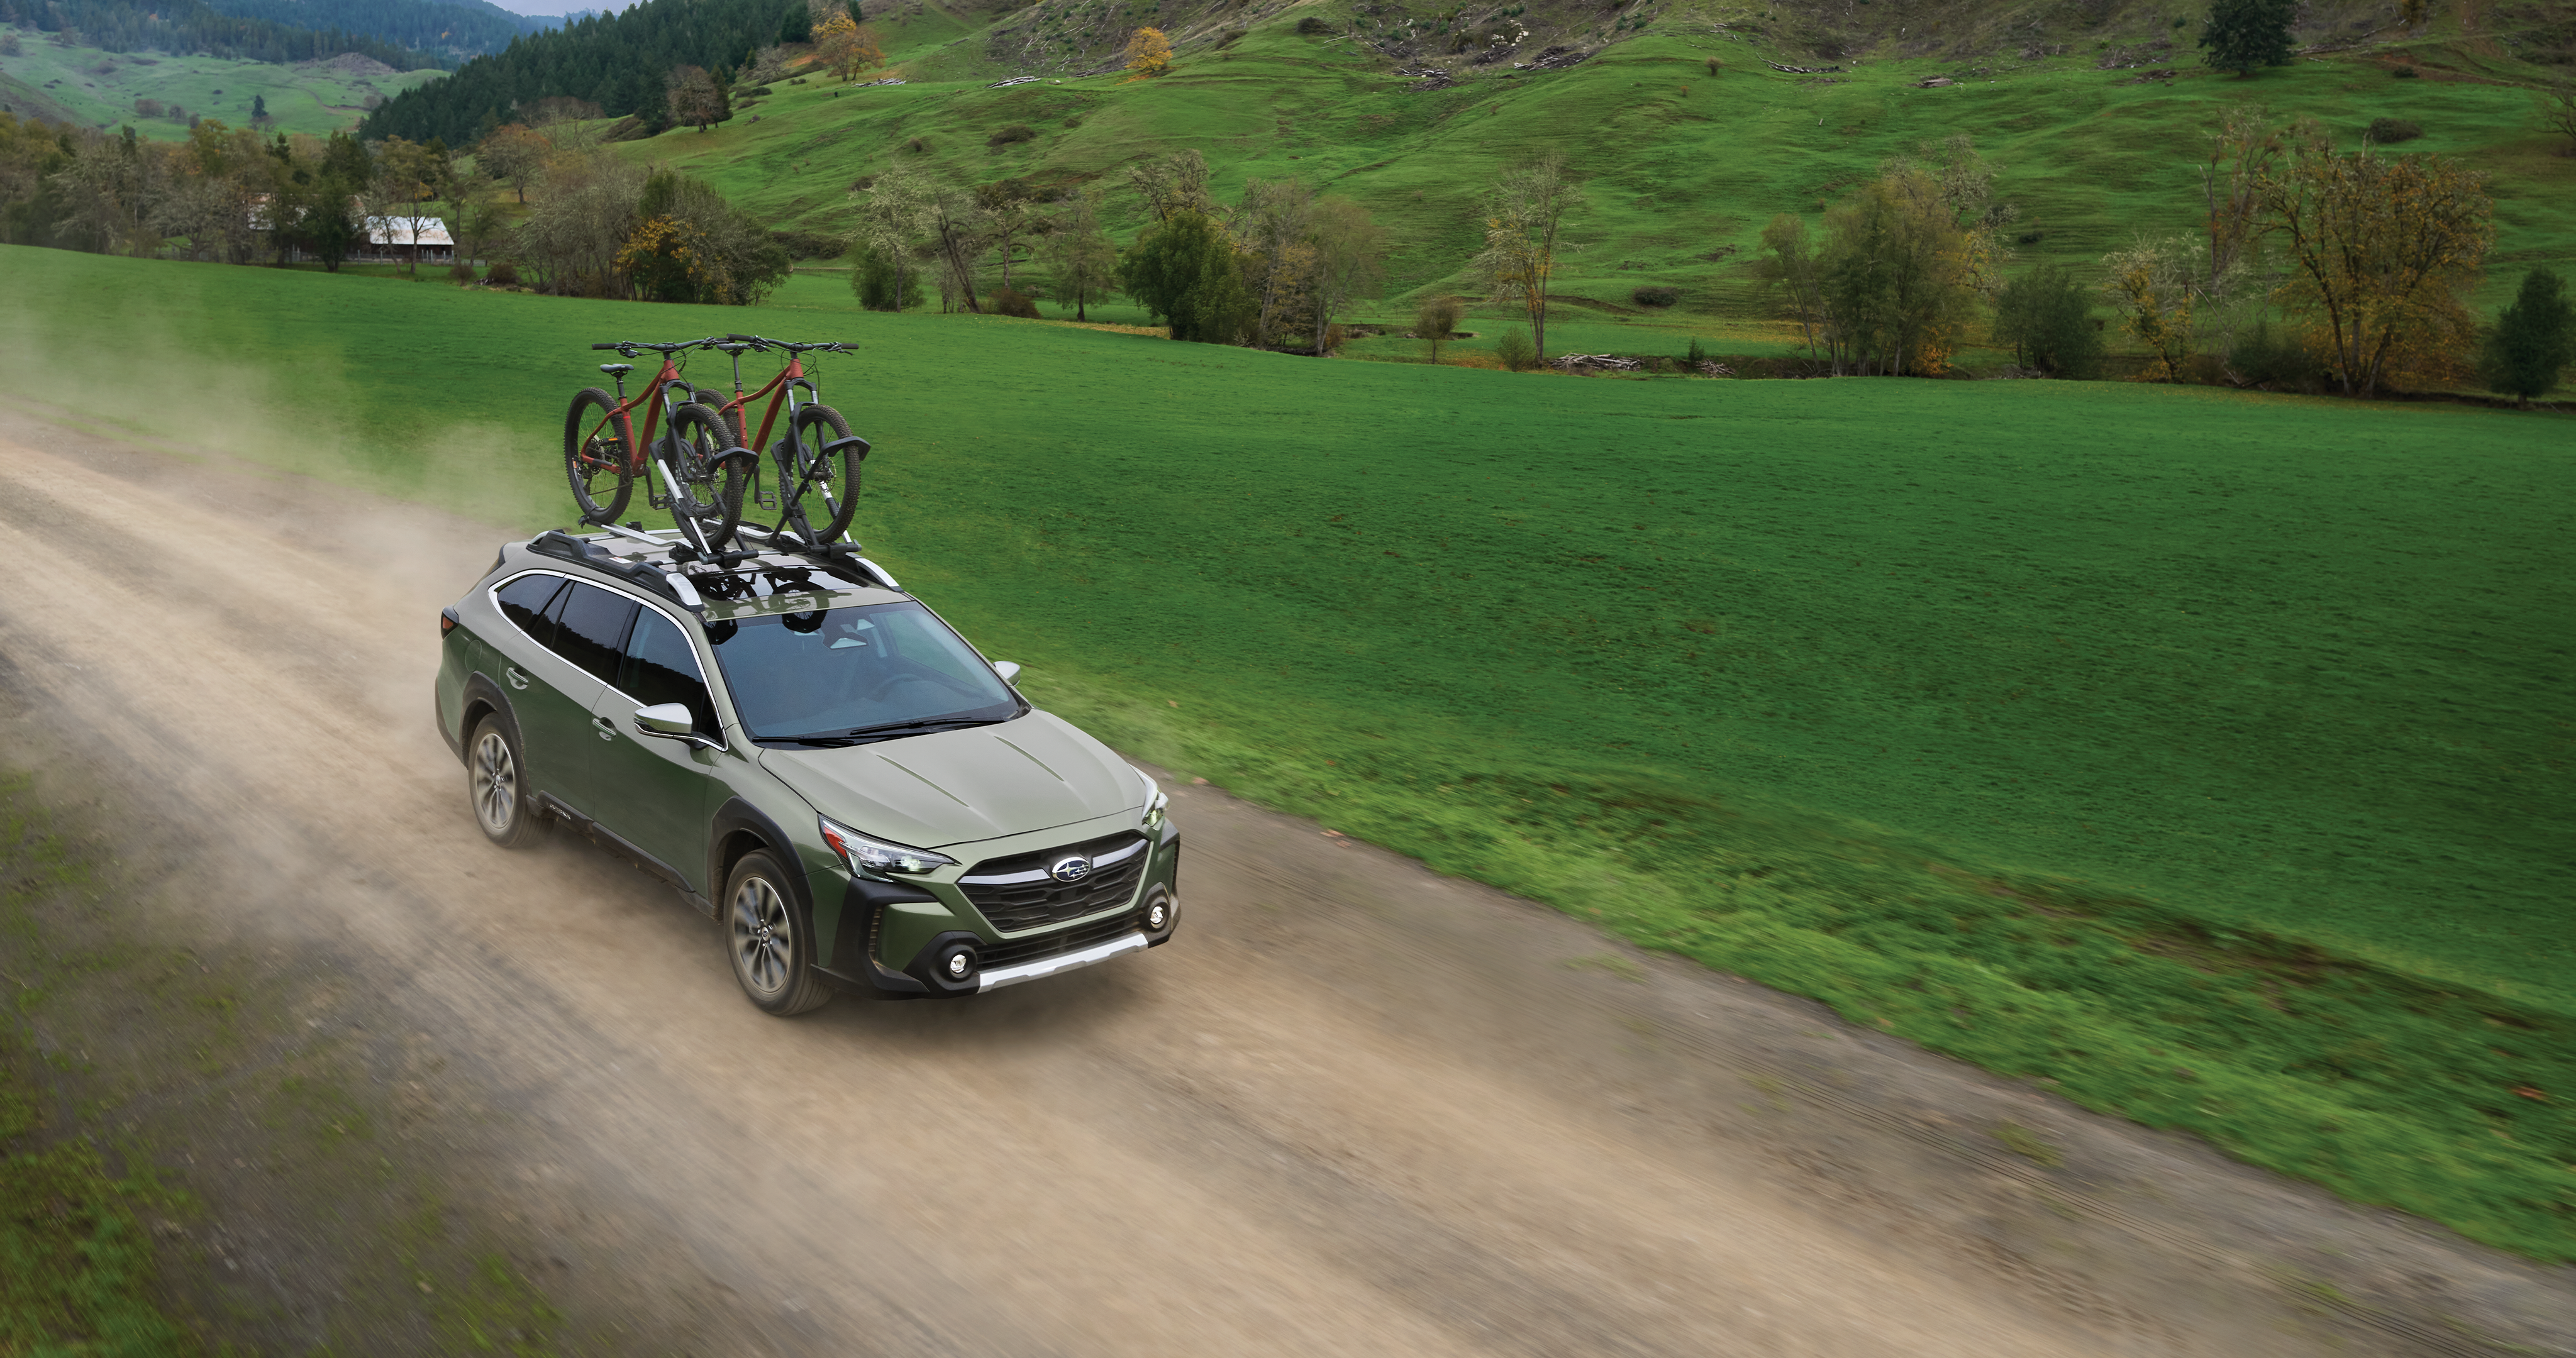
column 1155, row 802
column 875, row 857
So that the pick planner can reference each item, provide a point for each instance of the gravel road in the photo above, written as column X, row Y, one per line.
column 1354, row 1108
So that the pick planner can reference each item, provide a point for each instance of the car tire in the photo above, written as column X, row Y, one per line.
column 769, row 939
column 496, row 782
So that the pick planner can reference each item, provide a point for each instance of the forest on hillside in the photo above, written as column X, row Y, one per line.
column 620, row 62
column 192, row 27
column 463, row 28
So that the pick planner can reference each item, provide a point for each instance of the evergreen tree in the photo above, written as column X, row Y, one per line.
column 2533, row 341
column 1184, row 270
column 2242, row 35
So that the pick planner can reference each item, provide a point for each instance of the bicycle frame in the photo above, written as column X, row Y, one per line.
column 781, row 391
column 660, row 385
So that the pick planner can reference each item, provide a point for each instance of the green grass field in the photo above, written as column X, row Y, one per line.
column 99, row 89
column 2205, row 755
column 1685, row 168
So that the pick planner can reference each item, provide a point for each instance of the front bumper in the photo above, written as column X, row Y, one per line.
column 999, row 977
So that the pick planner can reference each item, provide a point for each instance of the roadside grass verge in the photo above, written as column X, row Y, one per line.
column 2204, row 755
column 78, row 1270
column 160, row 1105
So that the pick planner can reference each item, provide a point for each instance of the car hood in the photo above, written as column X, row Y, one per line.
column 956, row 787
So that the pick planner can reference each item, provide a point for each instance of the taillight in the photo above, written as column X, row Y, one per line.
column 447, row 621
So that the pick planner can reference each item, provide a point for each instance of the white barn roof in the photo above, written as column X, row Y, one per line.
column 398, row 231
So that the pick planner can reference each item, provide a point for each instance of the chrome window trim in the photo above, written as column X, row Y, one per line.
column 492, row 595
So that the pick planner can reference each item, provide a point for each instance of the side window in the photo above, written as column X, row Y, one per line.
column 593, row 629
column 660, row 668
column 523, row 602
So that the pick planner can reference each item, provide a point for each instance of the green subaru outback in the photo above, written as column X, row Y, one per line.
column 810, row 756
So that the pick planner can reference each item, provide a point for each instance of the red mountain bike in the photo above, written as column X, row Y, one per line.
column 701, row 466
column 817, row 457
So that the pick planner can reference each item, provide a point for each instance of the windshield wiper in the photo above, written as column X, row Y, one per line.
column 870, row 734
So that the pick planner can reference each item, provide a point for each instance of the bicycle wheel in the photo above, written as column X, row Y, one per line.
column 710, row 482
column 730, row 419
column 599, row 455
column 819, row 492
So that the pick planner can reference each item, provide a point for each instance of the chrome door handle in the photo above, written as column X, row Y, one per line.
column 607, row 729
column 517, row 680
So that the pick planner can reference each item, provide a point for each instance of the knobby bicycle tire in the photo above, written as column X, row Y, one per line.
column 731, row 419
column 708, row 470
column 599, row 450
column 833, row 486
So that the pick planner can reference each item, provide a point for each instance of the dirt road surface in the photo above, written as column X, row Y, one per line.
column 1354, row 1108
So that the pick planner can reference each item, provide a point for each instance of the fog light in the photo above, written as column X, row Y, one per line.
column 957, row 964
column 1157, row 915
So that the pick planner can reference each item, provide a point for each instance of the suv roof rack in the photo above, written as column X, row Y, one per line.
column 667, row 571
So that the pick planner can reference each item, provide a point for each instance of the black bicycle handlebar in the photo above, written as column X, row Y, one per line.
column 628, row 347
column 828, row 346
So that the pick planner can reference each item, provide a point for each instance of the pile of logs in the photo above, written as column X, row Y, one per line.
column 1577, row 362
column 1804, row 70
column 1432, row 77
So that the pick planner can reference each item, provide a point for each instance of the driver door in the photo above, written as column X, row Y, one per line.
column 658, row 791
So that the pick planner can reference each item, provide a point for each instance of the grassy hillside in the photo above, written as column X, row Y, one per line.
column 99, row 89
column 2206, row 755
column 1685, row 167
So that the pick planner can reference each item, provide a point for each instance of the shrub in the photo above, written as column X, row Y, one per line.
column 919, row 146
column 1229, row 38
column 2390, row 131
column 1715, row 65
column 1013, row 302
column 1516, row 351
column 1434, row 319
column 1334, row 338
column 1074, row 121
column 884, row 282
column 2280, row 359
column 1012, row 135
column 460, row 273
column 2406, row 73
column 754, row 92
column 1654, row 296
column 502, row 275
column 797, row 81
column 1312, row 25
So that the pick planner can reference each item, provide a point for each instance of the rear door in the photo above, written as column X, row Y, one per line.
column 580, row 635
column 656, row 793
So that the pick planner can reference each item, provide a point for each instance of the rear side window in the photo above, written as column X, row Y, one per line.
column 660, row 668
column 593, row 629
column 523, row 602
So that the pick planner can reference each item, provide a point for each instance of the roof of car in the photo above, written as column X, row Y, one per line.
column 777, row 576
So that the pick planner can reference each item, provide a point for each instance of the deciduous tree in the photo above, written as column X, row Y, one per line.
column 1434, row 320
column 2558, row 111
column 893, row 216
column 1149, row 54
column 2046, row 316
column 2380, row 249
column 1174, row 183
column 1272, row 226
column 2533, row 341
column 2241, row 151
column 2156, row 286
column 1184, row 270
column 1899, row 275
column 696, row 99
column 514, row 153
column 1524, row 219
column 1079, row 256
column 1791, row 272
column 1350, row 259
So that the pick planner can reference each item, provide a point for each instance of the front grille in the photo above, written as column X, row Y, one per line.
column 1036, row 899
column 1013, row 951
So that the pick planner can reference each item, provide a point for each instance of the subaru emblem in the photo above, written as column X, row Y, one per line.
column 1072, row 869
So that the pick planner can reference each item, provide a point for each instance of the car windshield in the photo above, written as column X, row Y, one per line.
column 846, row 676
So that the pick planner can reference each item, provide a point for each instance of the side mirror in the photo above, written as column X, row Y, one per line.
column 665, row 719
column 1008, row 669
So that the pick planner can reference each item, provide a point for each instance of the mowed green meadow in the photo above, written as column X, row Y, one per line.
column 2202, row 755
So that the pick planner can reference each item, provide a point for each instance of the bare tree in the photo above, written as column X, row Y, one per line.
column 1277, row 215
column 2241, row 152
column 1793, row 272
column 1524, row 223
column 1176, row 183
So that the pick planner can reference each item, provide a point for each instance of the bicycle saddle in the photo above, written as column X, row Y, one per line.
column 621, row 369
column 733, row 348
